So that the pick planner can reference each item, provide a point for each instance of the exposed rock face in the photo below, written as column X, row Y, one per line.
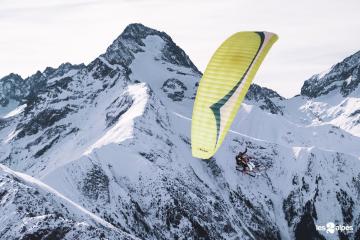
column 343, row 77
column 265, row 98
column 12, row 87
column 114, row 137
column 174, row 88
column 122, row 50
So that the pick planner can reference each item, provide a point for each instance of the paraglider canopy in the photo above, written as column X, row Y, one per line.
column 223, row 87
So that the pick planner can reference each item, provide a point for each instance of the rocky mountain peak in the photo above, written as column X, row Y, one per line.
column 12, row 87
column 264, row 98
column 257, row 92
column 343, row 77
column 136, row 31
column 353, row 60
column 11, row 76
column 50, row 72
column 130, row 42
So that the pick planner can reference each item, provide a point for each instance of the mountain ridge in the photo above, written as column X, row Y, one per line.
column 345, row 72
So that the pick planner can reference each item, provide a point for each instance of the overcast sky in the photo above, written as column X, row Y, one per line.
column 313, row 34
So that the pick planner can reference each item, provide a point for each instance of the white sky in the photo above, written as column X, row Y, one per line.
column 313, row 34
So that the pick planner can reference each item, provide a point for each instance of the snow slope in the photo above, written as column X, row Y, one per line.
column 32, row 210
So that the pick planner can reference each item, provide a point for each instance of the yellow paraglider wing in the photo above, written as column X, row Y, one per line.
column 223, row 87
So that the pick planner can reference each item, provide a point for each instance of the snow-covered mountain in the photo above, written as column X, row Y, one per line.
column 32, row 210
column 109, row 143
column 335, row 95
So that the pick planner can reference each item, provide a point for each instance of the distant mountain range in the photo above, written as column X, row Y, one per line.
column 107, row 146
